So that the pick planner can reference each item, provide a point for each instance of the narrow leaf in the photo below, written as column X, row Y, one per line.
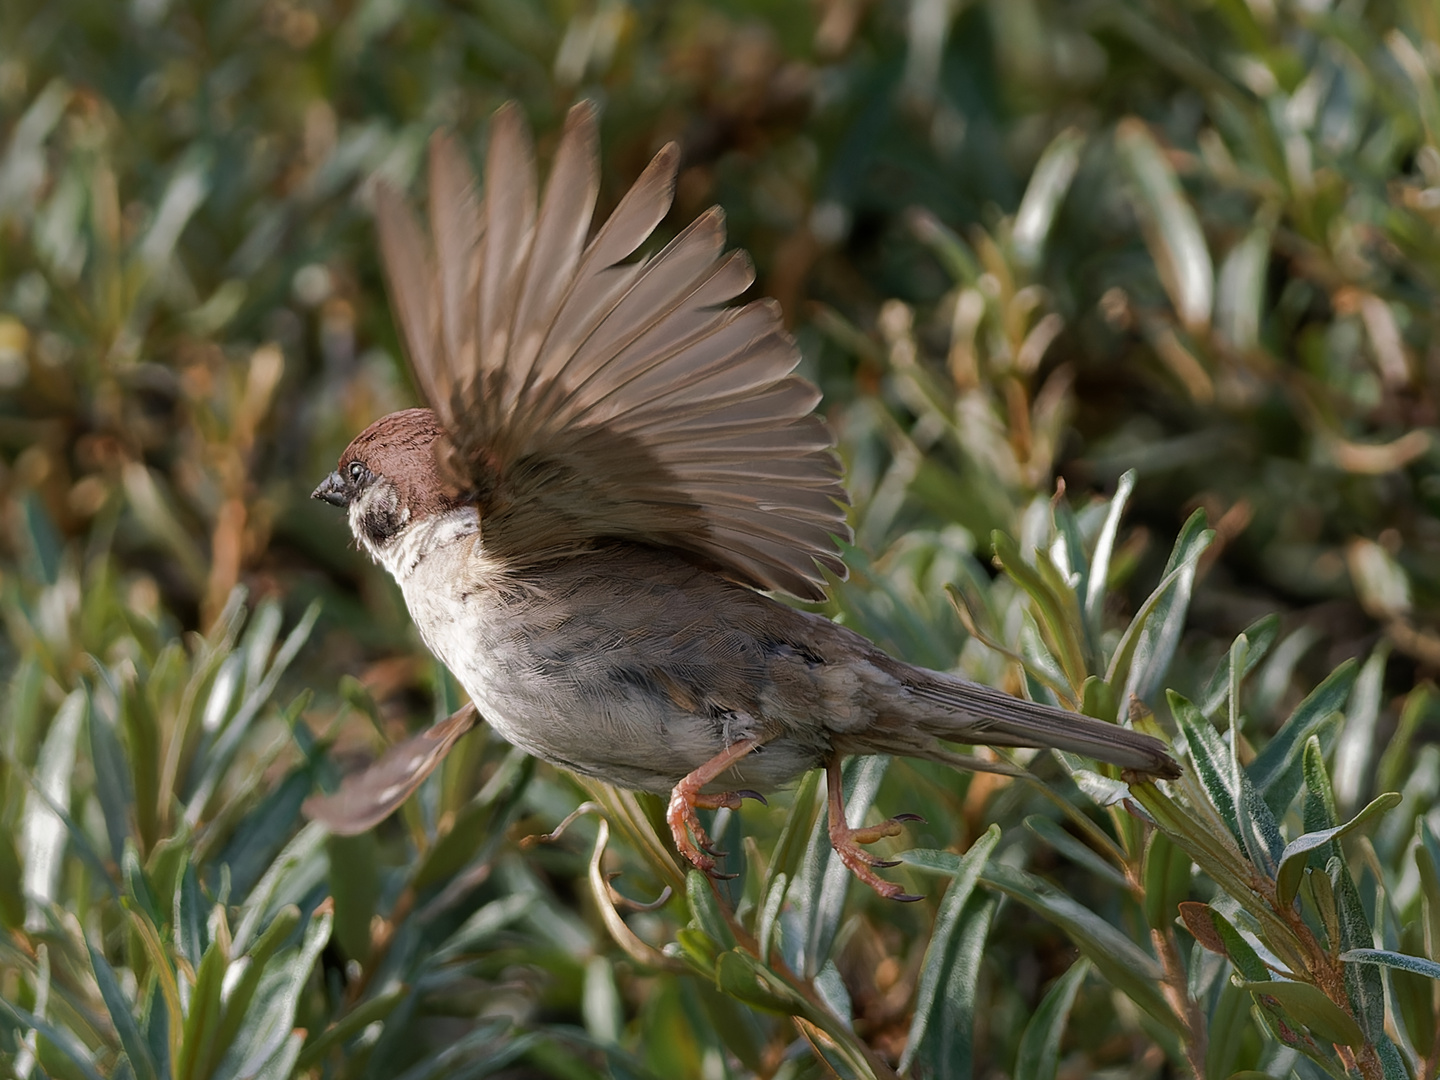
column 122, row 1015
column 1283, row 752
column 1399, row 961
column 1172, row 231
column 1296, row 855
column 1310, row 1007
column 966, row 872
column 1124, row 964
column 1039, row 1054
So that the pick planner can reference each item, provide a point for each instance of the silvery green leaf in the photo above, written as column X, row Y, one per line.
column 1276, row 770
column 965, row 870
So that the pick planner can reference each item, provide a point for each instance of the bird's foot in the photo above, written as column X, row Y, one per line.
column 847, row 841
column 691, row 839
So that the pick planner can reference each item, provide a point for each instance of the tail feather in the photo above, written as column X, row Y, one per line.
column 967, row 712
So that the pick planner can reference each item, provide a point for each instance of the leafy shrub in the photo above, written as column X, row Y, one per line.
column 1178, row 257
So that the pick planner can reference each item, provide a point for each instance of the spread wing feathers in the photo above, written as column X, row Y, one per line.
column 587, row 398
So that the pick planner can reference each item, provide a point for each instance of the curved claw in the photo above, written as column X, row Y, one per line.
column 689, row 835
column 747, row 793
column 847, row 841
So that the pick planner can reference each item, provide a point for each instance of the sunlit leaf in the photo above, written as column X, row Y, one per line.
column 1297, row 852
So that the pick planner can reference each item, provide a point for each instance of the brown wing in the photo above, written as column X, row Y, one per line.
column 586, row 397
column 368, row 797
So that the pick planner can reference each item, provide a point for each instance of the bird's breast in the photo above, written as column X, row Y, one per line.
column 600, row 674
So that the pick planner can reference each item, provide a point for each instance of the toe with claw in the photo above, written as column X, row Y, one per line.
column 691, row 839
column 846, row 841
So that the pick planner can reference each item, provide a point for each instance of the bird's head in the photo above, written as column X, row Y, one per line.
column 388, row 480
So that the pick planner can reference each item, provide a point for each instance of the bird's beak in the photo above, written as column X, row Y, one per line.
column 333, row 490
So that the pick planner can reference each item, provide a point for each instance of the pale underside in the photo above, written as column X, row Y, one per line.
column 637, row 667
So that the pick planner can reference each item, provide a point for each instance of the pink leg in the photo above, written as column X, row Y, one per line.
column 686, row 798
column 846, row 841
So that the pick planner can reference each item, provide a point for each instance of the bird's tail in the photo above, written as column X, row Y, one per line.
column 951, row 709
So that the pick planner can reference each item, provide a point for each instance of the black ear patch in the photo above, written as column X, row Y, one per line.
column 380, row 518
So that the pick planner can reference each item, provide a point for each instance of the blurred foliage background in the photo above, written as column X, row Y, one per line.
column 1165, row 256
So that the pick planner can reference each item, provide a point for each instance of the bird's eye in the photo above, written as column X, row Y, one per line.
column 357, row 472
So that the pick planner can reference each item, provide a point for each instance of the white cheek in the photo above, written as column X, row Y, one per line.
column 380, row 498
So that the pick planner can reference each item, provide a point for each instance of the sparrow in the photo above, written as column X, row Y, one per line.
column 615, row 470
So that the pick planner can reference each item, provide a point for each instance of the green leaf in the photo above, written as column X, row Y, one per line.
column 1143, row 655
column 1240, row 287
column 137, row 719
column 1364, row 984
column 954, row 254
column 698, row 949
column 1216, row 933
column 1296, row 855
column 1260, row 637
column 189, row 917
column 80, row 1056
column 112, row 782
column 1049, row 182
column 1398, row 758
column 1354, row 748
column 1427, row 862
column 770, row 915
column 354, row 873
column 265, row 1033
column 1319, row 809
column 1127, row 967
column 1309, row 1006
column 351, row 1024
column 1039, row 1054
column 1075, row 851
column 1211, row 758
column 1362, row 981
column 1058, row 612
column 483, row 924
column 744, row 978
column 1231, row 1027
column 1399, row 961
column 237, row 1001
column 939, row 954
column 705, row 913
column 1172, row 231
column 1099, row 574
column 1277, row 770
column 1166, row 875
column 947, row 1046
column 818, row 890
column 202, row 1020
column 259, row 639
column 12, row 900
column 122, row 1015
column 42, row 828
column 479, row 828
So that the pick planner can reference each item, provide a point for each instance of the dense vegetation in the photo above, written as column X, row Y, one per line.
column 1126, row 312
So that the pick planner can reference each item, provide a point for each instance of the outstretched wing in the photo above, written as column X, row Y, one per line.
column 585, row 397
